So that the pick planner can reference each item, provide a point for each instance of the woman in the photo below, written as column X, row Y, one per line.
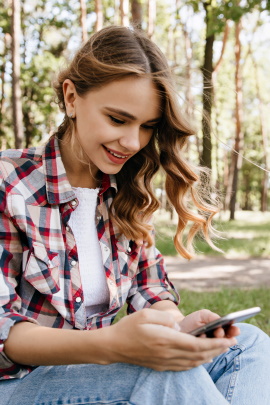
column 81, row 205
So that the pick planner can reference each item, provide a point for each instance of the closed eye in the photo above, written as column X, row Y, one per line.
column 149, row 126
column 116, row 121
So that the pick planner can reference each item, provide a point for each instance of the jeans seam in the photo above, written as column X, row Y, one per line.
column 233, row 378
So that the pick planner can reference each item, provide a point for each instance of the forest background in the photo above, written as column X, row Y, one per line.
column 218, row 51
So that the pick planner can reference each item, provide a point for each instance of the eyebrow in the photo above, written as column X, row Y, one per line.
column 128, row 115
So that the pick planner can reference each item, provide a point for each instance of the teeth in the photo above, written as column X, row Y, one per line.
column 115, row 154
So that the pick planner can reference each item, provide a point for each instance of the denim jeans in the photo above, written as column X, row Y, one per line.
column 240, row 376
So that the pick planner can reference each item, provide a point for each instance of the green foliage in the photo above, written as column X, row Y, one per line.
column 51, row 32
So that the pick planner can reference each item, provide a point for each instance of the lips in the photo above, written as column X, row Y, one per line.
column 115, row 156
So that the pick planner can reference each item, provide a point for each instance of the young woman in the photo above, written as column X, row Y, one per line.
column 76, row 245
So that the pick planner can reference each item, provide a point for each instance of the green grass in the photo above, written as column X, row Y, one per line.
column 226, row 301
column 247, row 236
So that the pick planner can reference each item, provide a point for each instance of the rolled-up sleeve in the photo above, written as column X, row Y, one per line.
column 151, row 284
column 10, row 301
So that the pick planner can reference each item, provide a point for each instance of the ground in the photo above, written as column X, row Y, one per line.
column 210, row 274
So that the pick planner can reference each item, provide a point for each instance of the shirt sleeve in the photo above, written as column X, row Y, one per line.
column 151, row 284
column 10, row 301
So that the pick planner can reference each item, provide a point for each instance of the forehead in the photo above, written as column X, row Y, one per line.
column 137, row 96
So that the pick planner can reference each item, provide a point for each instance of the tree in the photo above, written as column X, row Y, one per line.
column 16, row 88
column 207, row 71
column 99, row 15
column 124, row 12
column 136, row 13
column 151, row 18
column 83, row 20
column 239, row 136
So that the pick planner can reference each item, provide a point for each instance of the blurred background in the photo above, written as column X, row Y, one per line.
column 219, row 54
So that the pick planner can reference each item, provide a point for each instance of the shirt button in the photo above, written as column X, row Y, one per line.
column 78, row 299
column 106, row 249
column 73, row 203
column 73, row 263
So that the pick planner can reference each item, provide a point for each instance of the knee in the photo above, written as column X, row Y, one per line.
column 251, row 335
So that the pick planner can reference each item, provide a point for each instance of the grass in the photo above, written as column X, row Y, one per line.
column 246, row 236
column 225, row 301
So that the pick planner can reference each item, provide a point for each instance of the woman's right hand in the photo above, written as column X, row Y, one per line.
column 148, row 338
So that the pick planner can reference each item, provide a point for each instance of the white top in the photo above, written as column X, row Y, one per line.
column 93, row 277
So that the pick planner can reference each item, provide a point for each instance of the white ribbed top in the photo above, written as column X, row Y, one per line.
column 82, row 223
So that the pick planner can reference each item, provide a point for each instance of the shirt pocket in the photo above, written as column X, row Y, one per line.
column 41, row 269
column 128, row 255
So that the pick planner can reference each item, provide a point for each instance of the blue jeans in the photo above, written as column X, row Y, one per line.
column 240, row 376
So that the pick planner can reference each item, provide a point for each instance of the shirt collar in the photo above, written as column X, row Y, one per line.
column 58, row 187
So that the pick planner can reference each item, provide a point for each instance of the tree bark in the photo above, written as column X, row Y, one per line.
column 99, row 15
column 124, row 12
column 16, row 89
column 136, row 13
column 151, row 18
column 207, row 71
column 264, row 192
column 239, row 136
column 2, row 100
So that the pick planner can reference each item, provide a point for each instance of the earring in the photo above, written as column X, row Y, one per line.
column 70, row 115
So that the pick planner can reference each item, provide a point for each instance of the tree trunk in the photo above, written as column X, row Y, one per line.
column 151, row 18
column 83, row 20
column 116, row 13
column 99, row 15
column 136, row 13
column 124, row 12
column 239, row 137
column 217, row 112
column 2, row 100
column 264, row 140
column 16, row 89
column 207, row 71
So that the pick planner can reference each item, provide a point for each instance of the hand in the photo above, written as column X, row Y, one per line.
column 202, row 317
column 148, row 338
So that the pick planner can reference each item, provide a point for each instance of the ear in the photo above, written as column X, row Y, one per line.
column 70, row 95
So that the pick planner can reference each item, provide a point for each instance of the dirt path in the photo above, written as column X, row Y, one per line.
column 213, row 273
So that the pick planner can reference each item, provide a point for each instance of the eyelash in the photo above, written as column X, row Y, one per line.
column 120, row 122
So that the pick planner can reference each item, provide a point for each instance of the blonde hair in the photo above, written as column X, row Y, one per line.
column 115, row 53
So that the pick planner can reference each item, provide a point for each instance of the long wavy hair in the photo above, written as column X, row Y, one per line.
column 115, row 53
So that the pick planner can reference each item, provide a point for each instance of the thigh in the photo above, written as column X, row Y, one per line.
column 242, row 374
column 118, row 384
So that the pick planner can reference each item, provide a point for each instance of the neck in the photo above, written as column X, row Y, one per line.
column 78, row 173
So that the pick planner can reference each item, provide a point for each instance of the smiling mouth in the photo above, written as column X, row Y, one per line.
column 116, row 154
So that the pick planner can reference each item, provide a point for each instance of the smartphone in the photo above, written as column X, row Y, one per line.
column 225, row 321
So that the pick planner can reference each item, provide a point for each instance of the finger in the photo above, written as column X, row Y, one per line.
column 219, row 333
column 232, row 331
column 193, row 344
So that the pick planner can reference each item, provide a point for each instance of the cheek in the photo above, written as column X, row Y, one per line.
column 145, row 139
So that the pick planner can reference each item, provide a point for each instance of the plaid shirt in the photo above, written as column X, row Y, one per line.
column 39, row 269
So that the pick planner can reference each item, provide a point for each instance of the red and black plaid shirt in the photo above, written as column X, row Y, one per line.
column 39, row 270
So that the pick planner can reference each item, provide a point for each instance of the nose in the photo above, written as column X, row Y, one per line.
column 130, row 140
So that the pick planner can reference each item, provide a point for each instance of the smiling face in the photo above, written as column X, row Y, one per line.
column 112, row 123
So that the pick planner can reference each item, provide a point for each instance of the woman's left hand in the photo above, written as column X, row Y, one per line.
column 202, row 317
